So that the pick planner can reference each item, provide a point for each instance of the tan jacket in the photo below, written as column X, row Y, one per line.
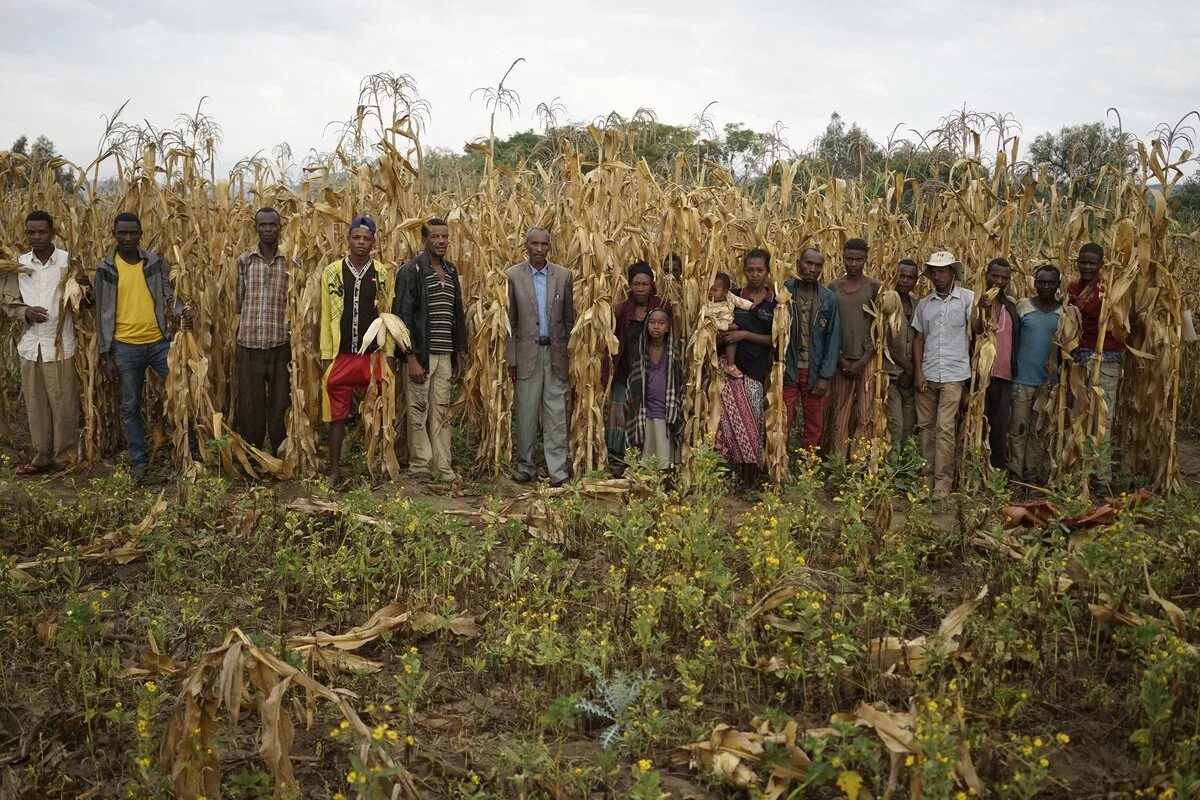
column 521, row 348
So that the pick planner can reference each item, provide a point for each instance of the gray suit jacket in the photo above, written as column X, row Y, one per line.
column 521, row 348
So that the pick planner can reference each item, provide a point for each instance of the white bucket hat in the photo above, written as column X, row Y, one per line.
column 944, row 258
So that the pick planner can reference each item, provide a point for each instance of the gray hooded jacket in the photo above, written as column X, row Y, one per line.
column 158, row 280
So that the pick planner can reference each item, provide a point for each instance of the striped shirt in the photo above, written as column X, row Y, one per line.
column 262, row 295
column 440, row 298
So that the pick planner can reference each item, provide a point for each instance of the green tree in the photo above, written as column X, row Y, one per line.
column 1078, row 153
column 844, row 152
column 1185, row 199
column 42, row 151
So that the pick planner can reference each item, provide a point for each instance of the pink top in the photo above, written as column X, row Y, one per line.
column 1002, row 366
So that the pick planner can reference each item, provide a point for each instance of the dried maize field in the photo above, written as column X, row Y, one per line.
column 243, row 632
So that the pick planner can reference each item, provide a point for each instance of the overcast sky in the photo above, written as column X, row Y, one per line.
column 281, row 71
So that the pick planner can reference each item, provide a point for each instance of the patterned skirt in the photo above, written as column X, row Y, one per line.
column 740, row 429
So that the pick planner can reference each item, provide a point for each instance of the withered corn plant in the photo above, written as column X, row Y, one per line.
column 604, row 211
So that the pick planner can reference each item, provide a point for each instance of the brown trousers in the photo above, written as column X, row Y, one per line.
column 851, row 401
column 51, row 392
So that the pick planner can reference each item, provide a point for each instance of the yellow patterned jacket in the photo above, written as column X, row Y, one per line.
column 333, row 302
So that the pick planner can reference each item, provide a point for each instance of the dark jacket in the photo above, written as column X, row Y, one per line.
column 411, row 305
column 824, row 341
column 158, row 280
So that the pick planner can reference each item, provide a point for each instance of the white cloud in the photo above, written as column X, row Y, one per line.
column 282, row 71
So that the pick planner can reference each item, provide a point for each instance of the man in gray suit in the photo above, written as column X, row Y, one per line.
column 540, row 317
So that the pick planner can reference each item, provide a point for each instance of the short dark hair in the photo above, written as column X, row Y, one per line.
column 757, row 252
column 267, row 210
column 723, row 279
column 999, row 262
column 673, row 257
column 1049, row 268
column 1092, row 248
column 126, row 216
column 907, row 262
column 38, row 215
column 432, row 222
column 857, row 243
column 816, row 250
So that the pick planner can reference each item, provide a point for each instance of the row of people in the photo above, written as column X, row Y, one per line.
column 830, row 355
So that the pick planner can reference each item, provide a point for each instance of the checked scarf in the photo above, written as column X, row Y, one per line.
column 635, row 399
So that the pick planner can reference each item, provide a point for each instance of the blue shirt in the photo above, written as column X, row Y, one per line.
column 539, row 288
column 943, row 323
column 1037, row 339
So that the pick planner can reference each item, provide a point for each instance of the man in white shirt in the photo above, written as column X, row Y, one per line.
column 942, row 356
column 32, row 295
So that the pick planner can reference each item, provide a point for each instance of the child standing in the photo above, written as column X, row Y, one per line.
column 720, row 307
column 654, row 403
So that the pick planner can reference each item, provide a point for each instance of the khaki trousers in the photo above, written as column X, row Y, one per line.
column 428, row 420
column 937, row 419
column 52, row 402
column 1026, row 445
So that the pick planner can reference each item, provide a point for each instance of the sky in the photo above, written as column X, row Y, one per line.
column 283, row 71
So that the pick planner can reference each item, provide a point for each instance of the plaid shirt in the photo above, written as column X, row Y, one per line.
column 262, row 299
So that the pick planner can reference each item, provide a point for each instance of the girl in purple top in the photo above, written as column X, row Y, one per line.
column 653, row 403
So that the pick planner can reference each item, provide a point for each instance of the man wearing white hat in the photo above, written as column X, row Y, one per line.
column 941, row 352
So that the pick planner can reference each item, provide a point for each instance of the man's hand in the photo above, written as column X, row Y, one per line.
column 922, row 384
column 905, row 379
column 729, row 337
column 108, row 365
column 36, row 314
column 416, row 373
column 456, row 367
column 821, row 387
column 843, row 364
column 858, row 367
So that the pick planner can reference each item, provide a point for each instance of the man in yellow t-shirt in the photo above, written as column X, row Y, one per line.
column 134, row 297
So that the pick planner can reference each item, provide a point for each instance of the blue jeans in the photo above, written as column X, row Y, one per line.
column 132, row 361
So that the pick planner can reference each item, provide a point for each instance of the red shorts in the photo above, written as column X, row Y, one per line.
column 348, row 372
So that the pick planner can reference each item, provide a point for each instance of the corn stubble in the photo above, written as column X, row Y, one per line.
column 604, row 214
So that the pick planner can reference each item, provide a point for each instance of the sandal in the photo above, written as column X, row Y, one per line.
column 732, row 371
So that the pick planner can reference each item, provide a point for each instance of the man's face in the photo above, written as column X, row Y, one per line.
column 640, row 287
column 39, row 234
column 361, row 241
column 1045, row 284
column 1089, row 265
column 755, row 272
column 438, row 240
column 810, row 265
column 998, row 277
column 267, row 226
column 537, row 247
column 906, row 279
column 128, row 235
column 942, row 277
column 855, row 261
column 676, row 265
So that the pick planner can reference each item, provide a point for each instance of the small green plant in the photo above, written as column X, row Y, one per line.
column 620, row 702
